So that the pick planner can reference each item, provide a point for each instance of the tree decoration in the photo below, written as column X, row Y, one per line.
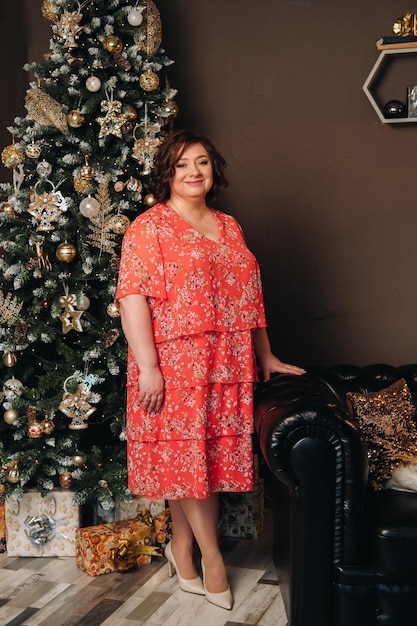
column 66, row 252
column 45, row 110
column 13, row 475
column 86, row 171
column 46, row 208
column 93, row 84
column 75, row 404
column 66, row 479
column 135, row 17
column 71, row 317
column 11, row 157
column 112, row 44
column 33, row 150
column 149, row 81
column 41, row 261
column 149, row 37
column 44, row 169
column 111, row 123
column 68, row 28
column 9, row 359
column 102, row 236
column 10, row 308
column 75, row 118
column 89, row 207
column 49, row 10
column 10, row 416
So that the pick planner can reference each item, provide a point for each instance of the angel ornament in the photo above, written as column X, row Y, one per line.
column 75, row 404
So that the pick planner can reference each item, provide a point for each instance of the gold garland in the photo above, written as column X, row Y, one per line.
column 45, row 110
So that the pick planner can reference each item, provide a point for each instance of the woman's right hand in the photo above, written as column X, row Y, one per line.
column 151, row 388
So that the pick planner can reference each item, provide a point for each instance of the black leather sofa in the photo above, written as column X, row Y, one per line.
column 345, row 555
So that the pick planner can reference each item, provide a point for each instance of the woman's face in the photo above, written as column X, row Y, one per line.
column 193, row 176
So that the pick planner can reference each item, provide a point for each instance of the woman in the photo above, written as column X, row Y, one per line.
column 191, row 305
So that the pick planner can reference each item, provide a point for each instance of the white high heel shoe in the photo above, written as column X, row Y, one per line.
column 223, row 599
column 192, row 585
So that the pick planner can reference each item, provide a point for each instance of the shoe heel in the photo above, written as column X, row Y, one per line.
column 223, row 599
column 194, row 585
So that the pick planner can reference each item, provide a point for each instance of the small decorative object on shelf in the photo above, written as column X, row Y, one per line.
column 404, row 42
column 394, row 108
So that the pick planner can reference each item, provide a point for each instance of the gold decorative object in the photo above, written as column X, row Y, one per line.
column 76, row 406
column 101, row 235
column 33, row 150
column 111, row 123
column 149, row 81
column 81, row 185
column 14, row 473
column 49, row 10
column 68, row 28
column 46, row 208
column 70, row 318
column 45, row 110
column 42, row 259
column 10, row 416
column 11, row 157
column 87, row 172
column 112, row 310
column 406, row 26
column 149, row 200
column 144, row 150
column 112, row 44
column 10, row 308
column 75, row 118
column 149, row 35
column 119, row 224
column 66, row 252
column 79, row 459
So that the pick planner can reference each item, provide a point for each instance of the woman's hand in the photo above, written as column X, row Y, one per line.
column 151, row 388
column 270, row 364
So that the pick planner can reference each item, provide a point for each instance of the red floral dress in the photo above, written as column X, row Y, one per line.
column 205, row 298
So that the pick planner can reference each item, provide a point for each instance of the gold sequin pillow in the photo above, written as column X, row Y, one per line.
column 387, row 421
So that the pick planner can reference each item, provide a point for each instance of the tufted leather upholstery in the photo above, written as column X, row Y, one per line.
column 344, row 554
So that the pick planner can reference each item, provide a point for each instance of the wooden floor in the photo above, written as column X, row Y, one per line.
column 54, row 592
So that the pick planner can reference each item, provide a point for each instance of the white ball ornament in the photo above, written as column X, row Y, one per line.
column 93, row 83
column 44, row 169
column 135, row 17
column 89, row 207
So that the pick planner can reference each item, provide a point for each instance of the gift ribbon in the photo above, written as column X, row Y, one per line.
column 40, row 529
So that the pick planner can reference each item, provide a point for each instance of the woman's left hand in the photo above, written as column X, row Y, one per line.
column 270, row 364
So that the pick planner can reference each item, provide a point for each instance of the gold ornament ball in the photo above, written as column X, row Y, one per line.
column 75, row 119
column 66, row 252
column 82, row 185
column 13, row 476
column 149, row 199
column 7, row 208
column 47, row 426
column 10, row 416
column 9, row 359
column 112, row 44
column 119, row 224
column 33, row 151
column 66, row 480
column 49, row 11
column 133, row 184
column 87, row 172
column 149, row 81
column 79, row 459
column 11, row 157
column 171, row 109
column 112, row 310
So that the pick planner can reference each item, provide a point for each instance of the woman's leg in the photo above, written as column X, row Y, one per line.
column 182, row 541
column 202, row 517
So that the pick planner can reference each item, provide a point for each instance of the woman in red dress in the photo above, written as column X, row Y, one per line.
column 192, row 311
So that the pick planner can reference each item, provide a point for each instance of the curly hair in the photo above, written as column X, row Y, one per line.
column 168, row 154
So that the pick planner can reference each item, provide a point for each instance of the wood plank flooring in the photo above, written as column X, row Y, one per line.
column 54, row 592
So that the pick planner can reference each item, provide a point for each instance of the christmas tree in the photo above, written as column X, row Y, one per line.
column 97, row 108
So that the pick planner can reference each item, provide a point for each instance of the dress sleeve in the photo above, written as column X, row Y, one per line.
column 141, row 263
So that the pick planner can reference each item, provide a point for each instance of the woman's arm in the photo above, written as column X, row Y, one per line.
column 266, row 360
column 137, row 327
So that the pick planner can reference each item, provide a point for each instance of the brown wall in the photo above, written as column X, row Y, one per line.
column 324, row 191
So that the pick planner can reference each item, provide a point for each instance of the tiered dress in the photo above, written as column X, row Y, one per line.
column 205, row 299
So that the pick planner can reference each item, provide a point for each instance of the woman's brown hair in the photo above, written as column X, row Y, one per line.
column 168, row 154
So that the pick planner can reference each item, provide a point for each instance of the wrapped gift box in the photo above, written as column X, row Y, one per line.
column 2, row 527
column 242, row 514
column 42, row 526
column 114, row 547
column 136, row 507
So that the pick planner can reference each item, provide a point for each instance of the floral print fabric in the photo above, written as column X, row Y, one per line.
column 205, row 298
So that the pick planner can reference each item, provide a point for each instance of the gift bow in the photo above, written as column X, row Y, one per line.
column 41, row 529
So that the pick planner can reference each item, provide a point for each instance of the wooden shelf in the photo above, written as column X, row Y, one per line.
column 376, row 73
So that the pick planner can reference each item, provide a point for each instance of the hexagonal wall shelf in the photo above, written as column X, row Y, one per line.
column 376, row 74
